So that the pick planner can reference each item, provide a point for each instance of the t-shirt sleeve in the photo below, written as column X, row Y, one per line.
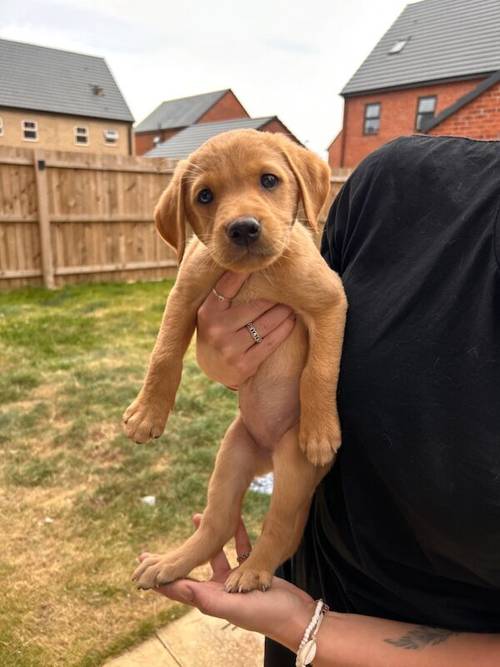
column 349, row 206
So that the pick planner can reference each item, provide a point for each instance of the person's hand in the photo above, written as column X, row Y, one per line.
column 281, row 613
column 225, row 349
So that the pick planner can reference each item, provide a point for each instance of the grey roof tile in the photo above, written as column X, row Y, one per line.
column 179, row 113
column 446, row 39
column 186, row 141
column 44, row 79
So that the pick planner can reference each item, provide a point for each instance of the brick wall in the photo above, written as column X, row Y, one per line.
column 480, row 119
column 275, row 125
column 57, row 132
column 398, row 114
column 335, row 151
column 144, row 141
column 226, row 108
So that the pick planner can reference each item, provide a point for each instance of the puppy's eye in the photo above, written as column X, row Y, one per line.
column 205, row 196
column 269, row 181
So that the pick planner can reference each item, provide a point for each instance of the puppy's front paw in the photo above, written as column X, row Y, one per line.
column 319, row 438
column 143, row 421
column 157, row 569
column 245, row 579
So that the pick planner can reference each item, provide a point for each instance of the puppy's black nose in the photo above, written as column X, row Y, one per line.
column 243, row 231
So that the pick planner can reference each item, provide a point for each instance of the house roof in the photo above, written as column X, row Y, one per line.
column 186, row 141
column 481, row 88
column 446, row 39
column 181, row 112
column 44, row 79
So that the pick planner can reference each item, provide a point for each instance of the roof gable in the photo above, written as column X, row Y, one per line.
column 44, row 79
column 463, row 101
column 181, row 112
column 446, row 39
column 186, row 141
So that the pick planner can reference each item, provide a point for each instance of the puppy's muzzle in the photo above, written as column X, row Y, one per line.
column 243, row 231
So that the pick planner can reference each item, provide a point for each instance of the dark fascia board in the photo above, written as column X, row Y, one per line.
column 418, row 84
column 44, row 112
column 178, row 129
column 463, row 101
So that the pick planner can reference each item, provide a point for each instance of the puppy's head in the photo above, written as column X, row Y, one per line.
column 240, row 192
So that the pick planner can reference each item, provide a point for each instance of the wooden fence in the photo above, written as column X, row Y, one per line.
column 68, row 217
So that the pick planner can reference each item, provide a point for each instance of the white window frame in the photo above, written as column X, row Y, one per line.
column 30, row 129
column 85, row 134
column 111, row 143
column 1, row 126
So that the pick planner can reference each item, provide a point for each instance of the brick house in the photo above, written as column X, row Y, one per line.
column 172, row 116
column 61, row 100
column 189, row 139
column 436, row 71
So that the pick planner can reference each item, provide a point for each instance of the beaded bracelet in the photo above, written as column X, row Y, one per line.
column 307, row 648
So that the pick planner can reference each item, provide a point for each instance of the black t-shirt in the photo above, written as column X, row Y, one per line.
column 406, row 525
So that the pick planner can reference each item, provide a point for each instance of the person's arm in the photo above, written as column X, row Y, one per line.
column 344, row 640
column 350, row 640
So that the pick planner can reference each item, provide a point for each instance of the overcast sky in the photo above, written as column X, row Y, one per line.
column 288, row 58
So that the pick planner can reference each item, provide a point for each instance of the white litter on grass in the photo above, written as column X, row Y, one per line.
column 48, row 519
column 263, row 484
column 149, row 500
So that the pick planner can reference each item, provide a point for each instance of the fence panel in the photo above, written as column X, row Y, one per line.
column 67, row 217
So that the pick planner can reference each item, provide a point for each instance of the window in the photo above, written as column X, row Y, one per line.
column 398, row 46
column 1, row 126
column 110, row 137
column 426, row 108
column 81, row 136
column 30, row 130
column 371, row 123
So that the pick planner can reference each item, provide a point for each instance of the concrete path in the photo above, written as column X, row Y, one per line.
column 196, row 641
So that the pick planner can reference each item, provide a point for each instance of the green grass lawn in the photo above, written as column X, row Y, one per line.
column 71, row 516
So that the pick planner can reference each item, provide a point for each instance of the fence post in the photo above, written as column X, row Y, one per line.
column 44, row 218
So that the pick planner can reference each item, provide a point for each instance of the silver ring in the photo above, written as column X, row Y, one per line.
column 253, row 332
column 243, row 557
column 220, row 297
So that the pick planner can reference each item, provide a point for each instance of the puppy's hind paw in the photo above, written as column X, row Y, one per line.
column 246, row 580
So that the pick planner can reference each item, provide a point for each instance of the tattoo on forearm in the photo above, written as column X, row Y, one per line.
column 420, row 637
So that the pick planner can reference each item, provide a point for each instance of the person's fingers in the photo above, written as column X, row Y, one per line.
column 257, row 353
column 209, row 597
column 243, row 313
column 219, row 563
column 228, row 287
column 242, row 540
column 264, row 325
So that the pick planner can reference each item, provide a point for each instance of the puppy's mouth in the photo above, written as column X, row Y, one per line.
column 243, row 246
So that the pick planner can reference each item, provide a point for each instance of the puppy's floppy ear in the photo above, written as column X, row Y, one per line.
column 312, row 175
column 170, row 214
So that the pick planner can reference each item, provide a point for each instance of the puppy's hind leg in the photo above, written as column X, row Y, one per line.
column 238, row 461
column 295, row 480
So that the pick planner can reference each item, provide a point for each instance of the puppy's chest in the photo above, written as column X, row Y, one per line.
column 262, row 285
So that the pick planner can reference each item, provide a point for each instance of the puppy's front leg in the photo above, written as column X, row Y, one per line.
column 320, row 435
column 146, row 417
column 238, row 461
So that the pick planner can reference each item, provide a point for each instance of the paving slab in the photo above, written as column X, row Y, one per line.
column 196, row 640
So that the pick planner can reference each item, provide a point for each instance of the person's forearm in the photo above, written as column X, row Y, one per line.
column 350, row 640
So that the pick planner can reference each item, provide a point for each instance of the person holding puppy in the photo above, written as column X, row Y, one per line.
column 403, row 536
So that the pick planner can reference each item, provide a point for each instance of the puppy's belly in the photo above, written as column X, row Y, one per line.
column 269, row 401
column 269, row 410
